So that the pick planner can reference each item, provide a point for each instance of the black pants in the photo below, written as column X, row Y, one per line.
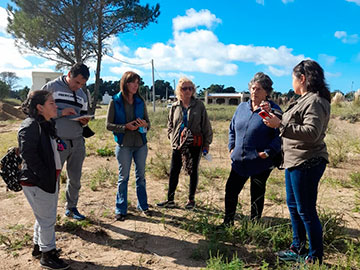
column 234, row 185
column 175, row 169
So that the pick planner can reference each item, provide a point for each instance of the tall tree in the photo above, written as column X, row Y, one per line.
column 69, row 31
column 10, row 79
column 4, row 90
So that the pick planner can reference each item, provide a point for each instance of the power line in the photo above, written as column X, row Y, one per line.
column 158, row 74
column 132, row 64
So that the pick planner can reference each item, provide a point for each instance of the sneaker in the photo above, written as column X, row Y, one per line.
column 74, row 213
column 36, row 253
column 291, row 255
column 166, row 204
column 190, row 205
column 147, row 213
column 224, row 225
column 51, row 260
column 120, row 217
column 308, row 260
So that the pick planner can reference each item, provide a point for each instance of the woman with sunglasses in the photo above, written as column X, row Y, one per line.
column 190, row 133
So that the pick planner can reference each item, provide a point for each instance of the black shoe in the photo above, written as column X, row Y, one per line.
column 120, row 217
column 147, row 213
column 166, row 204
column 225, row 225
column 190, row 205
column 36, row 253
column 51, row 260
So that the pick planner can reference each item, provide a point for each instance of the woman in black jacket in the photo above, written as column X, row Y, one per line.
column 41, row 167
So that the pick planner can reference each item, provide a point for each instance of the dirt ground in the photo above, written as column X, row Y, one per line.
column 140, row 242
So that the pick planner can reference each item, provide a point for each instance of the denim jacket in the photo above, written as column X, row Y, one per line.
column 248, row 135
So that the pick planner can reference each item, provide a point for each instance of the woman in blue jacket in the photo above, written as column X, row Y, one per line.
column 128, row 119
column 253, row 147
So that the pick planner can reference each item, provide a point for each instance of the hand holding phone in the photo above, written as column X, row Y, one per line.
column 264, row 115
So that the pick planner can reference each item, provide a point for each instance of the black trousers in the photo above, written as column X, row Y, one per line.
column 175, row 169
column 235, row 184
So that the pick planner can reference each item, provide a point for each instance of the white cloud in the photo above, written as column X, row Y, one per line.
column 354, row 1
column 3, row 20
column 201, row 51
column 287, row 1
column 279, row 72
column 261, row 2
column 327, row 59
column 345, row 38
column 332, row 75
column 10, row 56
column 122, row 69
column 194, row 19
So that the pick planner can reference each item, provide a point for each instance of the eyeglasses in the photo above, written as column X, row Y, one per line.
column 190, row 88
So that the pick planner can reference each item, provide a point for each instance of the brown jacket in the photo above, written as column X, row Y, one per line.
column 198, row 122
column 303, row 129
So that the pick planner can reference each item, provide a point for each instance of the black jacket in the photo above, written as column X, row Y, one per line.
column 35, row 148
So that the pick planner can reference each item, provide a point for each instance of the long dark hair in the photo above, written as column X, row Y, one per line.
column 315, row 79
column 129, row 76
column 29, row 108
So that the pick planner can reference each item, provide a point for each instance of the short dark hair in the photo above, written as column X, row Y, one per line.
column 35, row 97
column 80, row 69
column 315, row 78
column 264, row 81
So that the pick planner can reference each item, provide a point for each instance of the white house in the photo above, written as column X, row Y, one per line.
column 40, row 78
column 226, row 98
column 106, row 99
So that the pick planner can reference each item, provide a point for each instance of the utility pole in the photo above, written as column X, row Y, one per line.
column 153, row 81
column 174, row 84
column 352, row 84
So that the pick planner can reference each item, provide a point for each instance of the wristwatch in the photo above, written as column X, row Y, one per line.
column 266, row 154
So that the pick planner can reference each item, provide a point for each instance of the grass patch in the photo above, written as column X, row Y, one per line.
column 15, row 239
column 159, row 166
column 99, row 178
column 355, row 179
column 105, row 152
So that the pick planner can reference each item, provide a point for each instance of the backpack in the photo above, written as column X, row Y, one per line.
column 10, row 169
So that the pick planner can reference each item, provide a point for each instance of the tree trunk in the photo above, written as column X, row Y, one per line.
column 99, row 57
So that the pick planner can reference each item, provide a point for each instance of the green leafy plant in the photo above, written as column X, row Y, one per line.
column 105, row 152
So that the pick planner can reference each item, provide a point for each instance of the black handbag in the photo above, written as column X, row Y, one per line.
column 87, row 132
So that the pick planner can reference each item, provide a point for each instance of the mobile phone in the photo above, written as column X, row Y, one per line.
column 264, row 115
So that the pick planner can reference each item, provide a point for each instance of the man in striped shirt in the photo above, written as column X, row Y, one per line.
column 72, row 102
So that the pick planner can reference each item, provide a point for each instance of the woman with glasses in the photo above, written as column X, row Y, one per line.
column 128, row 119
column 190, row 133
column 253, row 147
column 302, row 129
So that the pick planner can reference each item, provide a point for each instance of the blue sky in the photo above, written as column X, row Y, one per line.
column 226, row 42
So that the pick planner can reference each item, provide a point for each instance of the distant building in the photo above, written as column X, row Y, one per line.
column 40, row 78
column 226, row 98
column 106, row 99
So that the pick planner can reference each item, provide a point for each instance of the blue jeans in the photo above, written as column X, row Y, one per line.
column 301, row 196
column 124, row 156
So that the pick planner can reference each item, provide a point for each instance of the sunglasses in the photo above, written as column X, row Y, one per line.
column 190, row 88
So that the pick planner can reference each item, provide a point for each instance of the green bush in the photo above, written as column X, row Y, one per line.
column 105, row 152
